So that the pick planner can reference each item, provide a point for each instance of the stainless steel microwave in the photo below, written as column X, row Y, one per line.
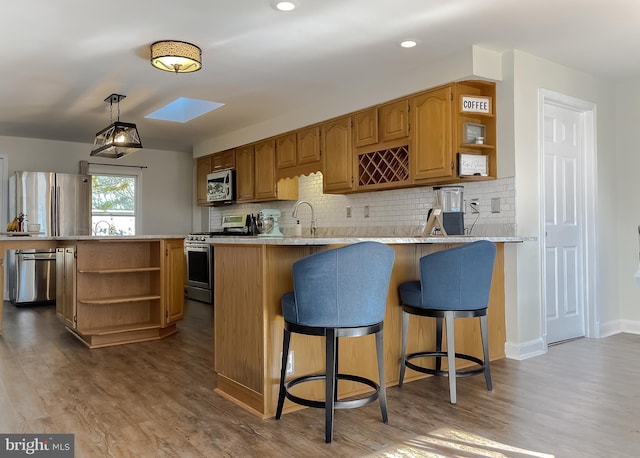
column 221, row 186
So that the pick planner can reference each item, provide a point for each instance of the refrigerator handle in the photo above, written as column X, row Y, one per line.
column 54, row 211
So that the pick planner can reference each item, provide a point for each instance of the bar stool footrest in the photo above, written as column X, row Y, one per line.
column 443, row 354
column 343, row 404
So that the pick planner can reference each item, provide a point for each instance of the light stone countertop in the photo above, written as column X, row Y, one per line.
column 397, row 240
column 13, row 238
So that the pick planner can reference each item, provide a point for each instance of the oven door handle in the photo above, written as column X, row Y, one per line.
column 200, row 249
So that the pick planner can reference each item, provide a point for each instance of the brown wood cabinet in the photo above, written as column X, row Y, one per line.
column 203, row 168
column 412, row 141
column 66, row 285
column 173, row 272
column 265, row 171
column 286, row 151
column 394, row 120
column 337, row 155
column 308, row 141
column 432, row 135
column 463, row 142
column 365, row 127
column 256, row 179
column 125, row 291
column 298, row 153
column 223, row 160
column 245, row 172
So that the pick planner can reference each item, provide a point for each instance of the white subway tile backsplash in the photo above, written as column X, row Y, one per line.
column 393, row 212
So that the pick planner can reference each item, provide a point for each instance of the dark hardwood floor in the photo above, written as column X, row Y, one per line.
column 156, row 399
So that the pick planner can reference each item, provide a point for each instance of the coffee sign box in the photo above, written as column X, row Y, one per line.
column 475, row 104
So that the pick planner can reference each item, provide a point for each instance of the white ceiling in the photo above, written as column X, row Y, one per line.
column 62, row 58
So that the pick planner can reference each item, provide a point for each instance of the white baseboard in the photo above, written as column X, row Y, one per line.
column 610, row 328
column 525, row 350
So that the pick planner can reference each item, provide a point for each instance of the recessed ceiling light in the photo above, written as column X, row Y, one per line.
column 408, row 43
column 284, row 6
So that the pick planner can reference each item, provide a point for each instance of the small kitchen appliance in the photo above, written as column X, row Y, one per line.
column 268, row 223
column 221, row 186
column 450, row 199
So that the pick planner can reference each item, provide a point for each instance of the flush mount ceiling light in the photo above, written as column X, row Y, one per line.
column 119, row 138
column 176, row 56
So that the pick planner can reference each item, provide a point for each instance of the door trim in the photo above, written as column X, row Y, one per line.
column 590, row 193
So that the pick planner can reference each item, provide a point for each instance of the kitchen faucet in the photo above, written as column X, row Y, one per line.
column 313, row 228
column 96, row 227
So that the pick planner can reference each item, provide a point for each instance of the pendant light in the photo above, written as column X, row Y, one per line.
column 119, row 138
column 176, row 56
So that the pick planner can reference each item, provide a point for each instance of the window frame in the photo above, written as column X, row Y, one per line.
column 123, row 171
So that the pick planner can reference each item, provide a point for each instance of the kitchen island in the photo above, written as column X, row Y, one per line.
column 251, row 274
column 113, row 290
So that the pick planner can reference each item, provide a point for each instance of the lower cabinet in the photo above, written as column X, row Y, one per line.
column 66, row 285
column 122, row 291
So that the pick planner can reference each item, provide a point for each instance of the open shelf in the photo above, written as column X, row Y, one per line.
column 118, row 300
column 119, row 271
column 107, row 330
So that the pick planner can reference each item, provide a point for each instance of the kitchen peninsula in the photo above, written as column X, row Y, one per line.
column 251, row 274
column 113, row 290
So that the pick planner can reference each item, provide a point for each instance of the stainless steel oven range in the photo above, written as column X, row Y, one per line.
column 199, row 254
column 199, row 262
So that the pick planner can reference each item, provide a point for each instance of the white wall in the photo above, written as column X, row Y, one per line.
column 166, row 184
column 528, row 74
column 407, row 81
column 627, row 208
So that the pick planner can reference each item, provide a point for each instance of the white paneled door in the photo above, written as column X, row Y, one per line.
column 564, row 221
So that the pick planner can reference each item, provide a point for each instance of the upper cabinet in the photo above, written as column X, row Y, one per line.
column 439, row 136
column 394, row 120
column 256, row 175
column 298, row 153
column 475, row 129
column 245, row 172
column 265, row 177
column 337, row 155
column 431, row 135
column 365, row 127
column 224, row 160
column 203, row 168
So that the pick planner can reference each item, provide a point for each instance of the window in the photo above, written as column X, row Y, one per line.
column 113, row 204
column 115, row 198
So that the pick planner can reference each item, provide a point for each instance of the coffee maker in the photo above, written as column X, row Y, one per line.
column 450, row 199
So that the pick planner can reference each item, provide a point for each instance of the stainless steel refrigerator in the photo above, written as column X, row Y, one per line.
column 61, row 204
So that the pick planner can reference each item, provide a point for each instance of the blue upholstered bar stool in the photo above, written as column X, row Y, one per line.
column 340, row 292
column 454, row 283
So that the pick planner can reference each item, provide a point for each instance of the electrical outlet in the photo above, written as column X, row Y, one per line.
column 366, row 211
column 475, row 206
column 290, row 367
column 495, row 205
column 348, row 211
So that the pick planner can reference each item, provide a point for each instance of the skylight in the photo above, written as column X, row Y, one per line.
column 184, row 109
